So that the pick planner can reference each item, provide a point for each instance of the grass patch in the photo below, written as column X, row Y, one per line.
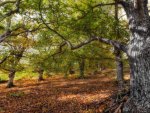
column 16, row 94
column 3, row 77
column 2, row 110
column 26, row 74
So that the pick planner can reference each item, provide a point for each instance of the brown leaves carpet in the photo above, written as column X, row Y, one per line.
column 58, row 95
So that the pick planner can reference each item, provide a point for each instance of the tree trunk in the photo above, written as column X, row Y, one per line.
column 81, row 68
column 11, row 79
column 119, row 68
column 117, row 52
column 139, row 57
column 40, row 75
column 12, row 72
column 139, row 101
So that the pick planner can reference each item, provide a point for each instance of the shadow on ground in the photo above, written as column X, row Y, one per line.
column 58, row 95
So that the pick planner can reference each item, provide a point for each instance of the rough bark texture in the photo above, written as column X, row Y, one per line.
column 139, row 57
column 119, row 68
column 11, row 79
column 117, row 52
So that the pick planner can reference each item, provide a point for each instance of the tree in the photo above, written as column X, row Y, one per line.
column 40, row 56
column 117, row 52
column 7, row 10
column 15, row 48
column 138, row 55
column 137, row 51
column 83, row 25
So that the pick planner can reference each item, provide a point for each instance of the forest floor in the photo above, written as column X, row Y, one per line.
column 59, row 95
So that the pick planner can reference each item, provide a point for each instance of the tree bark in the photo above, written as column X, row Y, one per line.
column 117, row 52
column 119, row 68
column 12, row 71
column 11, row 79
column 139, row 57
column 139, row 101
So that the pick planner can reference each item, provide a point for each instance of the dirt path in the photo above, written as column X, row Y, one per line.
column 57, row 95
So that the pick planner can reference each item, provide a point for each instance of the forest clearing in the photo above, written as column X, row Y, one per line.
column 58, row 95
column 75, row 56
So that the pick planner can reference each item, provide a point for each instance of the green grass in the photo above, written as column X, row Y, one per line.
column 16, row 94
column 26, row 74
column 2, row 110
column 3, row 76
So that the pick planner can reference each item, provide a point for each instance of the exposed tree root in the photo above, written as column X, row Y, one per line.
column 117, row 102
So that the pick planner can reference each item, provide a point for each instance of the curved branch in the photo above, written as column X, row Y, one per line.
column 109, row 4
column 51, row 29
column 103, row 4
column 114, row 43
column 124, row 4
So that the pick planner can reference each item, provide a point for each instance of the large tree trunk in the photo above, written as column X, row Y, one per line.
column 139, row 57
column 139, row 101
column 11, row 79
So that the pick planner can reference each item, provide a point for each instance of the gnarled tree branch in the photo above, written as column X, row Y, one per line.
column 114, row 43
column 51, row 29
column 124, row 4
